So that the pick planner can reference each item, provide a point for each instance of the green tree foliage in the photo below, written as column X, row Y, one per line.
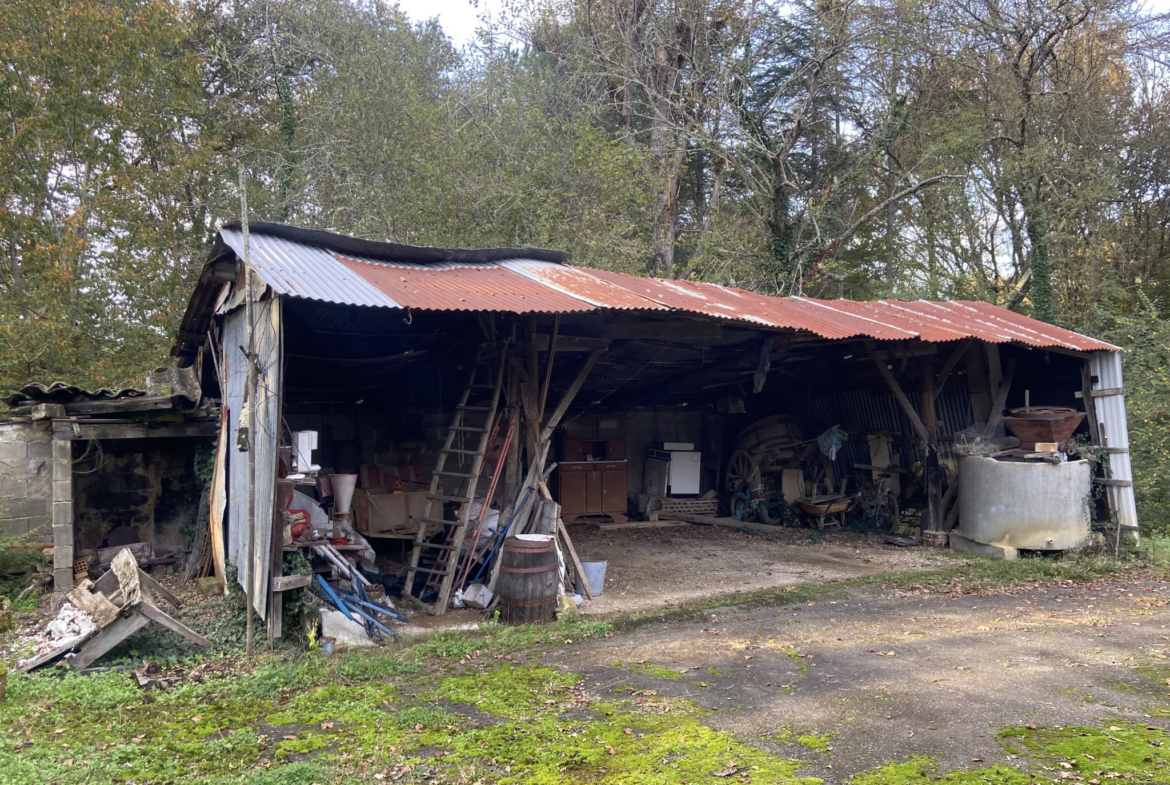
column 97, row 101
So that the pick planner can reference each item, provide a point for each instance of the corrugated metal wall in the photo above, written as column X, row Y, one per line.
column 1106, row 366
column 860, row 411
column 264, row 441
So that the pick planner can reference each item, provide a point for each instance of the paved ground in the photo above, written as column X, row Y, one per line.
column 895, row 674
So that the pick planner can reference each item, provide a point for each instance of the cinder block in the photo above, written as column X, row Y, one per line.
column 62, row 534
column 62, row 490
column 13, row 527
column 41, row 527
column 63, row 451
column 61, row 470
column 40, row 449
column 38, row 488
column 10, row 451
column 63, row 514
column 14, row 433
column 12, row 488
column 23, row 508
column 62, row 557
column 62, row 580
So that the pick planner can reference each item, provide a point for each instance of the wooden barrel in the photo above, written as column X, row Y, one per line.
column 528, row 579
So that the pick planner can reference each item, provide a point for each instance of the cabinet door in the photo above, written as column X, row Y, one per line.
column 593, row 495
column 613, row 490
column 574, row 493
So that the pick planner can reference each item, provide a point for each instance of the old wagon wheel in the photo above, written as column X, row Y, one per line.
column 743, row 472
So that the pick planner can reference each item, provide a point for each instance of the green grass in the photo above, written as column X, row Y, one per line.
column 446, row 710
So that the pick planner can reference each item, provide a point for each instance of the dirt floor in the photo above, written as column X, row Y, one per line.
column 879, row 676
column 652, row 568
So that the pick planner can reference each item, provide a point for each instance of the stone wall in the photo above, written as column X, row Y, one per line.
column 26, row 480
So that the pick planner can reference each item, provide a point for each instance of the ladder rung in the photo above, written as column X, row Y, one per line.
column 468, row 428
column 469, row 408
column 464, row 452
column 436, row 520
column 437, row 497
column 434, row 547
column 465, row 475
column 484, row 386
column 431, row 572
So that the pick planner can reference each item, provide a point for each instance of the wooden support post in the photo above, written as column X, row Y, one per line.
column 977, row 383
column 934, row 503
column 62, row 518
column 1005, row 386
column 576, row 560
column 1090, row 404
column 956, row 355
column 896, row 389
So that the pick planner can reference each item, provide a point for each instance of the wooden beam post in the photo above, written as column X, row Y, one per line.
column 952, row 361
column 896, row 389
column 977, row 383
column 934, row 502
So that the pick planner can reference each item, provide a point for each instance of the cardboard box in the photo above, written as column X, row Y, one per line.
column 379, row 511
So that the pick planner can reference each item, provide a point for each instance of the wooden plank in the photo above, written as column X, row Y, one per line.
column 1113, row 483
column 67, row 431
column 154, row 614
column 655, row 524
column 950, row 364
column 1107, row 392
column 289, row 582
column 141, row 403
column 568, row 541
column 728, row 523
column 109, row 637
column 158, row 590
column 896, row 389
column 1000, row 400
column 554, row 419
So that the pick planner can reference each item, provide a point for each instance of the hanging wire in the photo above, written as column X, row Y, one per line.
column 92, row 450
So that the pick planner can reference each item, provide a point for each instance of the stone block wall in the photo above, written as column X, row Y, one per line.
column 26, row 481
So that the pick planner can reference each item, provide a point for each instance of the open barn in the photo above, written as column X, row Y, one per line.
column 443, row 406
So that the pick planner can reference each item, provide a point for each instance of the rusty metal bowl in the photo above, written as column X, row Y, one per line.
column 1044, row 423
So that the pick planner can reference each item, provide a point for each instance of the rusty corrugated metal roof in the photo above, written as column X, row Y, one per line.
column 524, row 285
column 463, row 287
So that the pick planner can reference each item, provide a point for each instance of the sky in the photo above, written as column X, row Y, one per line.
column 460, row 17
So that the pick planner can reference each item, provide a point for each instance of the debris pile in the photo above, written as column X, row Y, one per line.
column 70, row 626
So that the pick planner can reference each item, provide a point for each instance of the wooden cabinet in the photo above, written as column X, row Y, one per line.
column 592, row 488
column 592, row 473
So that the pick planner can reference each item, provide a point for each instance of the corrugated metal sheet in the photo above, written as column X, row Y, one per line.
column 521, row 285
column 463, row 287
column 267, row 333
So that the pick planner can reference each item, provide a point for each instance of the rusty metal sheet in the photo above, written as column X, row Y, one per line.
column 521, row 285
column 1029, row 331
column 462, row 287
column 583, row 284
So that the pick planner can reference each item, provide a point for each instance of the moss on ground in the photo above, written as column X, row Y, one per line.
column 447, row 710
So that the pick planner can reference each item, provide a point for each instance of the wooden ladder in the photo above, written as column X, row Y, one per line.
column 441, row 574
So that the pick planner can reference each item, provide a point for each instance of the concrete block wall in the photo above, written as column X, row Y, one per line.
column 26, row 482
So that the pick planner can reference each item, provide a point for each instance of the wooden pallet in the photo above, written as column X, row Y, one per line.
column 689, row 506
